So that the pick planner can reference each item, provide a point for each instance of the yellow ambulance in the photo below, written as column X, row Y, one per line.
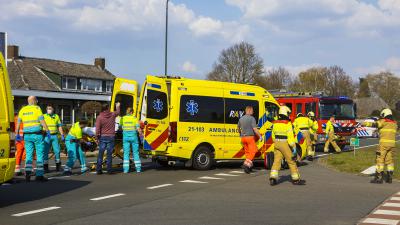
column 195, row 121
column 7, row 147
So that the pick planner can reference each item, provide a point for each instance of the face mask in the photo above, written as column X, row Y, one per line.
column 49, row 111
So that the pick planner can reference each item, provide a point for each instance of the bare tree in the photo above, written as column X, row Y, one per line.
column 386, row 85
column 276, row 78
column 339, row 83
column 239, row 64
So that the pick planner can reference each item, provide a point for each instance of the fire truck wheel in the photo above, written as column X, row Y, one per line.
column 203, row 158
column 268, row 160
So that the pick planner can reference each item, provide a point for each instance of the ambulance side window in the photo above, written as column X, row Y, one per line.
column 201, row 109
column 272, row 110
column 157, row 105
column 235, row 108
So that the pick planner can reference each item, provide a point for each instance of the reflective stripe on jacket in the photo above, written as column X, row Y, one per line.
column 31, row 115
column 283, row 129
column 329, row 127
column 302, row 123
column 387, row 132
column 53, row 122
column 129, row 123
column 76, row 131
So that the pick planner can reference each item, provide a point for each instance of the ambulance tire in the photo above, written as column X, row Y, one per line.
column 268, row 160
column 203, row 158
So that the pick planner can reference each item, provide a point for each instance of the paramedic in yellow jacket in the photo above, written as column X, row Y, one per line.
column 387, row 128
column 131, row 127
column 303, row 124
column 313, row 134
column 284, row 142
column 330, row 135
column 73, row 143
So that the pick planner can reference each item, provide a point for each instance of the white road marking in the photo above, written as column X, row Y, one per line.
column 391, row 204
column 107, row 196
column 193, row 181
column 51, row 178
column 159, row 186
column 226, row 175
column 238, row 172
column 211, row 178
column 387, row 212
column 380, row 221
column 36, row 211
column 369, row 170
column 395, row 198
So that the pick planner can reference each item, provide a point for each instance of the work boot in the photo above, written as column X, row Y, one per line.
column 247, row 169
column 46, row 168
column 41, row 179
column 58, row 167
column 299, row 182
column 310, row 158
column 273, row 181
column 389, row 177
column 67, row 173
column 378, row 178
column 28, row 176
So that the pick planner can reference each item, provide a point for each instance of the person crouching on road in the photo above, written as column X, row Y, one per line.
column 248, row 130
column 313, row 134
column 303, row 124
column 387, row 128
column 282, row 134
column 32, row 118
column 330, row 135
column 130, row 126
column 54, row 123
column 73, row 143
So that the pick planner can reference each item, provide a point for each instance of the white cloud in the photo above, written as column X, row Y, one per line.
column 391, row 64
column 205, row 26
column 189, row 67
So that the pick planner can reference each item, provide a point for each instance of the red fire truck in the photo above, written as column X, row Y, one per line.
column 342, row 107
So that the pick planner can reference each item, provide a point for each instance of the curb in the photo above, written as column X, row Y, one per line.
column 386, row 213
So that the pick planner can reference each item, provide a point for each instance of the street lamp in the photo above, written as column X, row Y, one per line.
column 166, row 40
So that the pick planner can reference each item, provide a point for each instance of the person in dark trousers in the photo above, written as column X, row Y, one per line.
column 105, row 133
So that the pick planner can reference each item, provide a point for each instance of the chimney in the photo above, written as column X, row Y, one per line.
column 100, row 62
column 12, row 52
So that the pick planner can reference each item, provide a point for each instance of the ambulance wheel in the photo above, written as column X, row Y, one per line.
column 268, row 160
column 203, row 158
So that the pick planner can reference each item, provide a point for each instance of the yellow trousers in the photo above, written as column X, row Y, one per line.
column 307, row 136
column 331, row 141
column 384, row 157
column 283, row 151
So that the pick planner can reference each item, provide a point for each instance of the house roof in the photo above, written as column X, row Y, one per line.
column 365, row 106
column 28, row 73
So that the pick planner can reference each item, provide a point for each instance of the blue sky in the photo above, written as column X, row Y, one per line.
column 361, row 36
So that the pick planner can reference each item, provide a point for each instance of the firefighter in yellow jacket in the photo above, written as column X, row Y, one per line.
column 303, row 124
column 387, row 143
column 330, row 135
column 285, row 147
column 313, row 134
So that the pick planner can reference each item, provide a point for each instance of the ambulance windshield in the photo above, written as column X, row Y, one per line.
column 342, row 110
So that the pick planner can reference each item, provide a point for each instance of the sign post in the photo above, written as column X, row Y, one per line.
column 354, row 142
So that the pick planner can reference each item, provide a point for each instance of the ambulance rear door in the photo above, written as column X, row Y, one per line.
column 125, row 92
column 154, row 113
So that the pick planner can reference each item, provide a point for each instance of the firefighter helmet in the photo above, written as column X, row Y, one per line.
column 284, row 110
column 386, row 112
column 311, row 114
column 299, row 114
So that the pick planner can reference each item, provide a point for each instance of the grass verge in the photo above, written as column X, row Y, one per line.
column 364, row 158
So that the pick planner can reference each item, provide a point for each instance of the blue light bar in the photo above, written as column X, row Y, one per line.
column 154, row 86
column 243, row 93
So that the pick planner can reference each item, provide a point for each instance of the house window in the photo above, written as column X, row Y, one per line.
column 69, row 83
column 109, row 86
column 91, row 85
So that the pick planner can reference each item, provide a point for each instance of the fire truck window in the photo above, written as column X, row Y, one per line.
column 272, row 110
column 125, row 100
column 299, row 107
column 311, row 107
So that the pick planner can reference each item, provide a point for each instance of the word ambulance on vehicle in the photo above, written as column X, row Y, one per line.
column 195, row 121
column 7, row 126
column 342, row 107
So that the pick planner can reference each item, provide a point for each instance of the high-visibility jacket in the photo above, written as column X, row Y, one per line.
column 283, row 129
column 129, row 123
column 75, row 131
column 329, row 127
column 31, row 115
column 302, row 123
column 314, row 127
column 387, row 132
column 53, row 122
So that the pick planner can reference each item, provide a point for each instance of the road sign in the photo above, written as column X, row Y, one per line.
column 354, row 142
